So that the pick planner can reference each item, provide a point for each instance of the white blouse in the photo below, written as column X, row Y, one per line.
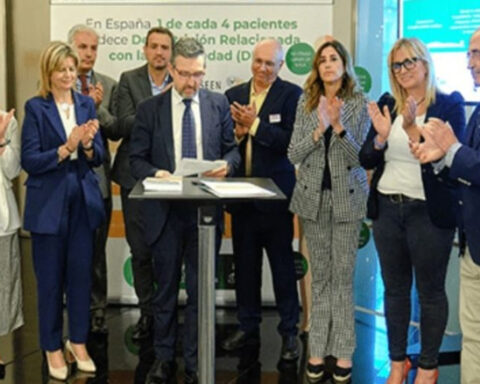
column 402, row 173
column 67, row 115
column 9, row 170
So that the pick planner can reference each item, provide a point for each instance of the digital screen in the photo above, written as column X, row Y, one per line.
column 445, row 26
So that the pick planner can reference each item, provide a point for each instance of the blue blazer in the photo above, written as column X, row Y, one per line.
column 152, row 146
column 270, row 143
column 46, row 184
column 466, row 169
column 440, row 192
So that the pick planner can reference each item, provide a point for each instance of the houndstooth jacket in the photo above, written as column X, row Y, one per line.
column 348, row 178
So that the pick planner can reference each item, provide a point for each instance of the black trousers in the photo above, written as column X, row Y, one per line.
column 141, row 254
column 252, row 232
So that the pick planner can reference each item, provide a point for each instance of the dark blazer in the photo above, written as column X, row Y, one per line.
column 133, row 88
column 466, row 169
column 152, row 146
column 440, row 192
column 108, row 126
column 270, row 143
column 42, row 134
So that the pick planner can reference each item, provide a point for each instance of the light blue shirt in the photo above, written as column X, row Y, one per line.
column 158, row 89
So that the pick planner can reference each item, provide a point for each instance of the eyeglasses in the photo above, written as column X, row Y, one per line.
column 187, row 75
column 473, row 54
column 408, row 64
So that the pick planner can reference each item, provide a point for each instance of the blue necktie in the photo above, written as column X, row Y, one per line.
column 189, row 147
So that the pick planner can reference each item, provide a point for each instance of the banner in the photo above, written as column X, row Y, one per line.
column 228, row 30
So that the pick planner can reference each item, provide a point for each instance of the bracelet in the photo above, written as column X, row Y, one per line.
column 377, row 144
column 5, row 143
column 68, row 149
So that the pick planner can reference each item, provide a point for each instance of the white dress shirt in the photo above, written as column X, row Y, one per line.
column 178, row 107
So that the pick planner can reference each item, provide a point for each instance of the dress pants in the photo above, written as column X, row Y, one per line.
column 141, row 253
column 253, row 231
column 470, row 319
column 99, row 264
column 62, row 264
column 333, row 249
column 177, row 242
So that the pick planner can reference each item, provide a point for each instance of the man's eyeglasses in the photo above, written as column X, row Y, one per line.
column 187, row 75
column 408, row 64
column 473, row 54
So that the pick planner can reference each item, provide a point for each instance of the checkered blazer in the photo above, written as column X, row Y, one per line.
column 349, row 179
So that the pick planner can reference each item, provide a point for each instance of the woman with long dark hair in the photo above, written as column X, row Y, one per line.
column 330, row 197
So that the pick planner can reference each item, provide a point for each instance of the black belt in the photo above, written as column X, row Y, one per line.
column 398, row 198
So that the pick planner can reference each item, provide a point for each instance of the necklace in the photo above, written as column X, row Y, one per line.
column 65, row 108
column 420, row 101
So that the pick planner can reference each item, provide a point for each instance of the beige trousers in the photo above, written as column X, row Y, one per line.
column 469, row 313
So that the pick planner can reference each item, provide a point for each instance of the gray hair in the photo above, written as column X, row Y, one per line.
column 77, row 29
column 187, row 47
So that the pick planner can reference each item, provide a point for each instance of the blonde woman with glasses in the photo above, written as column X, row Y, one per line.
column 412, row 208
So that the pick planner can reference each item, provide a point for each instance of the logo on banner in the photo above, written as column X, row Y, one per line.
column 299, row 58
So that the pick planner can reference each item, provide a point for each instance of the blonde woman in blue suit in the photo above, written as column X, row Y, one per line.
column 330, row 199
column 63, row 206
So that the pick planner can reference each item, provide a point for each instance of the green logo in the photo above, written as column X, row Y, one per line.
column 364, row 79
column 299, row 58
column 127, row 271
column 131, row 346
column 364, row 235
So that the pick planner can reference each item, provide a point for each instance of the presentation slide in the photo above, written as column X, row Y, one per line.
column 445, row 27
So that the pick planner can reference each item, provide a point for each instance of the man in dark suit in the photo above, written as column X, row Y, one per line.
column 135, row 86
column 263, row 110
column 185, row 121
column 463, row 160
column 84, row 40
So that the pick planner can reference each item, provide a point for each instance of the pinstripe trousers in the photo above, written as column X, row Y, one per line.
column 333, row 248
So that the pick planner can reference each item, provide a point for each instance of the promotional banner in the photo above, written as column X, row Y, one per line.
column 228, row 30
column 445, row 27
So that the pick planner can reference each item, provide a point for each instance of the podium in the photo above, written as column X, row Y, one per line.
column 206, row 203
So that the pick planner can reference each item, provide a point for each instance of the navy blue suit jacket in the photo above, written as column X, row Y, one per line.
column 47, row 184
column 152, row 146
column 439, row 191
column 270, row 143
column 466, row 169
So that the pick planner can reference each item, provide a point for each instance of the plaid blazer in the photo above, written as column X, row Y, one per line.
column 348, row 178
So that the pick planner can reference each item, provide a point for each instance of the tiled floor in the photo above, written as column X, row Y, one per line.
column 120, row 361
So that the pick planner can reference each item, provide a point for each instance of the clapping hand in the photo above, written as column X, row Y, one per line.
column 96, row 93
column 382, row 122
column 243, row 115
column 409, row 112
column 334, row 112
column 4, row 121
column 90, row 129
column 439, row 137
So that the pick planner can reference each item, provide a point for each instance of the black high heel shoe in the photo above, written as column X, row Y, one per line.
column 2, row 371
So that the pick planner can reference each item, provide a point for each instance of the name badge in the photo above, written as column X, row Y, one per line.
column 276, row 118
